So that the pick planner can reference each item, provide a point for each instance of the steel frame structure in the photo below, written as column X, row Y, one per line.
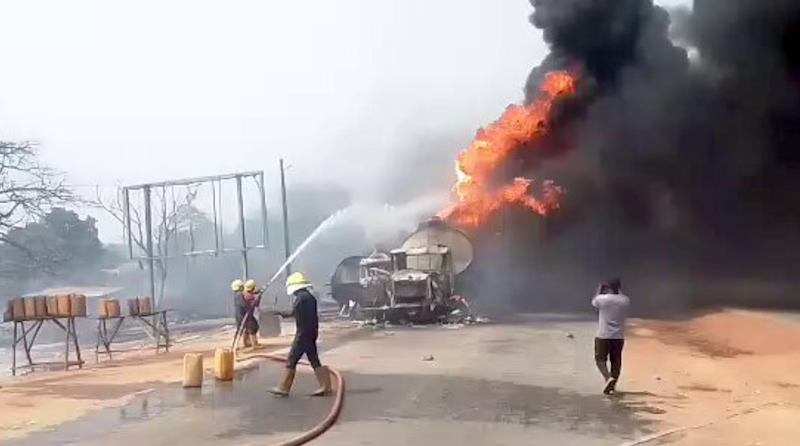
column 216, row 181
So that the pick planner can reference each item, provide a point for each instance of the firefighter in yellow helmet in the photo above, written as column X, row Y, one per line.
column 304, row 310
column 239, row 306
column 251, row 298
column 237, row 285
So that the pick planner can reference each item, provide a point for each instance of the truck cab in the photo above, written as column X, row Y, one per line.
column 417, row 281
column 422, row 279
column 375, row 280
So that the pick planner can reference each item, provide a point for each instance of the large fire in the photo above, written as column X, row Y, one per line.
column 519, row 125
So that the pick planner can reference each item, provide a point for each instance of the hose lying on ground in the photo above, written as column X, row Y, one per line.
column 328, row 421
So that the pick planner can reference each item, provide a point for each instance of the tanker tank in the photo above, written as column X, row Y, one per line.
column 415, row 282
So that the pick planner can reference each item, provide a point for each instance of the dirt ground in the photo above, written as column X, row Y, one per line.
column 732, row 374
column 729, row 376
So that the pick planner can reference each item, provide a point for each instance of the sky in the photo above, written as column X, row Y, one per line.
column 127, row 92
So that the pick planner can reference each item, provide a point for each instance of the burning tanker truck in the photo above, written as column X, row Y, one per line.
column 415, row 283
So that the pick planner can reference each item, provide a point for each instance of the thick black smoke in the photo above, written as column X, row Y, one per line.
column 680, row 152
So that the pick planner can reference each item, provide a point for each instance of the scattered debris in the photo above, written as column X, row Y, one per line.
column 452, row 326
column 385, row 325
column 365, row 322
column 187, row 339
column 427, row 358
column 701, row 387
column 462, row 317
column 456, row 316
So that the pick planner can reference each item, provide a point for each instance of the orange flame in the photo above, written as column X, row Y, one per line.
column 475, row 166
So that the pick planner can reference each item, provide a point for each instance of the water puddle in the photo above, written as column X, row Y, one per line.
column 214, row 414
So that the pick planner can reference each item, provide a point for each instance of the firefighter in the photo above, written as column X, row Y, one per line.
column 239, row 306
column 304, row 310
column 252, row 298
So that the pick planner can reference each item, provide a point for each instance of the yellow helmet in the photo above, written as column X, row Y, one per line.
column 296, row 282
column 237, row 285
column 250, row 285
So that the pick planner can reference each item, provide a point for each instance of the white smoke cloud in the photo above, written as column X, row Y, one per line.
column 383, row 223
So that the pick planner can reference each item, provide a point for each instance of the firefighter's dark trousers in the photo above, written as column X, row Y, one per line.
column 303, row 345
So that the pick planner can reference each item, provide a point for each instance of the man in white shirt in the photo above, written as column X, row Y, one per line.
column 612, row 307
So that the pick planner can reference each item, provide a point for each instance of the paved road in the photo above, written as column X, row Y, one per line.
column 523, row 381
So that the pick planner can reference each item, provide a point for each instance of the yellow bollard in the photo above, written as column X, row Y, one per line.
column 223, row 364
column 192, row 370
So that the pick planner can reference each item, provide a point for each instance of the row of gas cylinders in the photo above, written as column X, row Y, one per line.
column 45, row 307
column 70, row 305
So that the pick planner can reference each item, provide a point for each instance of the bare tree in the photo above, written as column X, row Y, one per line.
column 172, row 215
column 28, row 189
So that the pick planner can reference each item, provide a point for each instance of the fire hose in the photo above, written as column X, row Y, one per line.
column 329, row 419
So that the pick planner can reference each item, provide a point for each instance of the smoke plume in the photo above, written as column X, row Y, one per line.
column 678, row 152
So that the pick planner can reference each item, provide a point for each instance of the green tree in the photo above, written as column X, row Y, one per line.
column 78, row 240
column 59, row 244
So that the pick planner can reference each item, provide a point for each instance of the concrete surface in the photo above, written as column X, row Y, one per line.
column 523, row 381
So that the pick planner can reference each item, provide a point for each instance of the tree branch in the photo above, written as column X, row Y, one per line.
column 27, row 188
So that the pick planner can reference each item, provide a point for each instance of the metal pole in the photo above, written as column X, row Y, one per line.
column 240, row 199
column 151, row 264
column 216, row 223
column 148, row 222
column 14, row 351
column 221, row 219
column 262, row 189
column 286, row 245
column 126, row 200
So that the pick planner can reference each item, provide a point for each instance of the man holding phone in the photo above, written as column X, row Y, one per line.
column 612, row 307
